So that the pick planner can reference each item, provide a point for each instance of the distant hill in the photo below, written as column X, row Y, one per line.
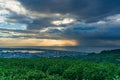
column 104, row 56
column 111, row 51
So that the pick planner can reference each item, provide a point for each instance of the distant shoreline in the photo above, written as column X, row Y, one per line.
column 68, row 48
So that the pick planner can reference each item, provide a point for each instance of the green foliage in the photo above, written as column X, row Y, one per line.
column 104, row 66
column 54, row 77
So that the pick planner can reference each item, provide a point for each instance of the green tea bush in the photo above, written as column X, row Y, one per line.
column 57, row 69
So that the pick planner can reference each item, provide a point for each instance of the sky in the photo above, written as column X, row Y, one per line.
column 60, row 23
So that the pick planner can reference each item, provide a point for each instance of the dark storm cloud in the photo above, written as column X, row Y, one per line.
column 94, row 35
column 81, row 10
column 96, row 32
column 40, row 23
column 84, row 9
column 89, row 22
column 14, row 17
column 31, row 34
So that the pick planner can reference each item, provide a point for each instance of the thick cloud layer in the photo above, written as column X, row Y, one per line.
column 83, row 9
column 89, row 23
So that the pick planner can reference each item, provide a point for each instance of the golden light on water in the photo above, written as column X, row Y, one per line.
column 36, row 42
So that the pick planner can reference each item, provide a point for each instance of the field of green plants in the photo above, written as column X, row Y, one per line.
column 104, row 66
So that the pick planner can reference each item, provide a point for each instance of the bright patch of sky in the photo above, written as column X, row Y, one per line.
column 15, row 26
column 64, row 21
column 12, row 5
column 5, row 7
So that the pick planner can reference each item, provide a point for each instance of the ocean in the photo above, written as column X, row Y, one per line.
column 74, row 48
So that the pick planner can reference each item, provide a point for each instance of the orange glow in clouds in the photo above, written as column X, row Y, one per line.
column 36, row 42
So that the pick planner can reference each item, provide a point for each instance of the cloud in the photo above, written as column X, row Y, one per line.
column 83, row 9
column 38, row 14
column 89, row 23
column 101, row 33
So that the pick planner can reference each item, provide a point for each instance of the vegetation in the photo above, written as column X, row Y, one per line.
column 103, row 66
